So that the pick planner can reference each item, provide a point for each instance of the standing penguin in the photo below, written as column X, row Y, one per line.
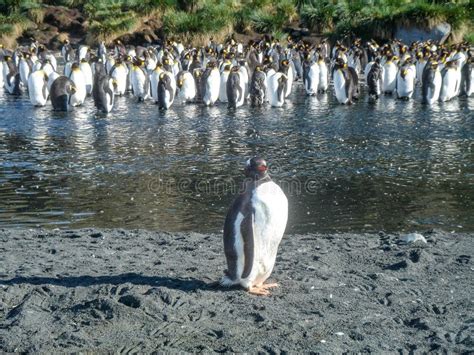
column 467, row 78
column 374, row 80
column 285, row 68
column 343, row 82
column 310, row 77
column 210, row 84
column 187, row 86
column 406, row 77
column 79, row 80
column 87, row 71
column 223, row 83
column 258, row 87
column 61, row 92
column 103, row 92
column 323, row 75
column 38, row 88
column 253, row 229
column 154, row 81
column 119, row 73
column 166, row 90
column 235, row 88
column 390, row 75
column 277, row 89
column 140, row 81
column 451, row 81
column 11, row 76
column 431, row 83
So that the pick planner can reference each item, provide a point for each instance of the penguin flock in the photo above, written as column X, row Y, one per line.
column 260, row 72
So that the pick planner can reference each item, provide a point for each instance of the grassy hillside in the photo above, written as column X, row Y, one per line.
column 195, row 20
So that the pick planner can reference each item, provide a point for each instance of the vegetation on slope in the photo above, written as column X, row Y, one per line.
column 194, row 19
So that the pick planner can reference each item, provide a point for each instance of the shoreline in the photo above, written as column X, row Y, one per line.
column 136, row 290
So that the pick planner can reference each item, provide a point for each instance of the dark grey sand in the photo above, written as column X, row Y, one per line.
column 139, row 291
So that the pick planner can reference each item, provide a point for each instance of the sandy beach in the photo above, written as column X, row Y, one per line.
column 140, row 291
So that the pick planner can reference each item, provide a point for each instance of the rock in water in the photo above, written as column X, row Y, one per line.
column 414, row 237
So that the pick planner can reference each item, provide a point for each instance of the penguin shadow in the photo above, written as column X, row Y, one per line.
column 175, row 283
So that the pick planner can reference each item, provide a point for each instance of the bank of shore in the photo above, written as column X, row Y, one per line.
column 117, row 290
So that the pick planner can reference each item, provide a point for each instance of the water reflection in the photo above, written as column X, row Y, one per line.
column 390, row 165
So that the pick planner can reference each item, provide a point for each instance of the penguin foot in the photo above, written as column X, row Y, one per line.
column 262, row 290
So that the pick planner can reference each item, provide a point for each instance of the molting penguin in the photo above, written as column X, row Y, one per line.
column 38, row 88
column 431, row 83
column 210, row 84
column 451, row 81
column 374, row 80
column 61, row 92
column 166, row 90
column 103, row 93
column 235, row 88
column 258, row 87
column 187, row 86
column 406, row 77
column 343, row 82
column 253, row 229
column 277, row 89
column 79, row 80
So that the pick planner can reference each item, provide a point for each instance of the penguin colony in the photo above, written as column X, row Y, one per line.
column 263, row 71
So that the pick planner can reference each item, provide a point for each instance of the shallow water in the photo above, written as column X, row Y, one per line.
column 393, row 165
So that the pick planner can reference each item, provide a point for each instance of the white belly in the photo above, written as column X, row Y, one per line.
column 223, row 86
column 406, row 86
column 389, row 77
column 448, row 88
column 36, row 82
column 79, row 96
column 340, row 87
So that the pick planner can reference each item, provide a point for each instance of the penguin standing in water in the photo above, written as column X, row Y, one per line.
column 277, row 89
column 38, row 88
column 467, row 78
column 390, row 75
column 285, row 68
column 450, row 84
column 374, row 80
column 197, row 75
column 140, row 81
column 431, row 83
column 323, row 76
column 210, row 84
column 11, row 76
column 344, row 87
column 253, row 229
column 258, row 87
column 187, row 86
column 406, row 77
column 87, row 71
column 103, row 93
column 79, row 80
column 119, row 73
column 223, row 83
column 61, row 92
column 166, row 90
column 25, row 68
column 235, row 88
column 154, row 81
column 310, row 76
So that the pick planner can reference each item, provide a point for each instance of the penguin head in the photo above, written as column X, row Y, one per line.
column 75, row 67
column 256, row 168
column 71, row 89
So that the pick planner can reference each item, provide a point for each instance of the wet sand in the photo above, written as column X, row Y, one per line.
column 140, row 291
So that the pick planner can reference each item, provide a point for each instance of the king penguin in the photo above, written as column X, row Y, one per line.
column 210, row 84
column 467, row 78
column 258, row 87
column 61, row 92
column 235, row 88
column 406, row 77
column 431, row 83
column 343, row 82
column 166, row 90
column 449, row 87
column 310, row 76
column 38, row 88
column 374, row 80
column 11, row 76
column 187, row 86
column 103, row 92
column 253, row 229
column 79, row 80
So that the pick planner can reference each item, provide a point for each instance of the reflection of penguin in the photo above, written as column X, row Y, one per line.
column 103, row 93
column 467, row 78
column 343, row 82
column 253, row 229
column 406, row 77
column 450, row 83
column 277, row 89
column 11, row 77
column 431, row 83
column 210, row 84
column 166, row 90
column 61, row 93
column 235, row 88
column 38, row 88
column 374, row 80
column 258, row 87
column 77, row 76
column 187, row 86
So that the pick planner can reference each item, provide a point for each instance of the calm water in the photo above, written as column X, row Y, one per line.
column 395, row 166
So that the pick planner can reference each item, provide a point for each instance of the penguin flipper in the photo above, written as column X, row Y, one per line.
column 247, row 231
